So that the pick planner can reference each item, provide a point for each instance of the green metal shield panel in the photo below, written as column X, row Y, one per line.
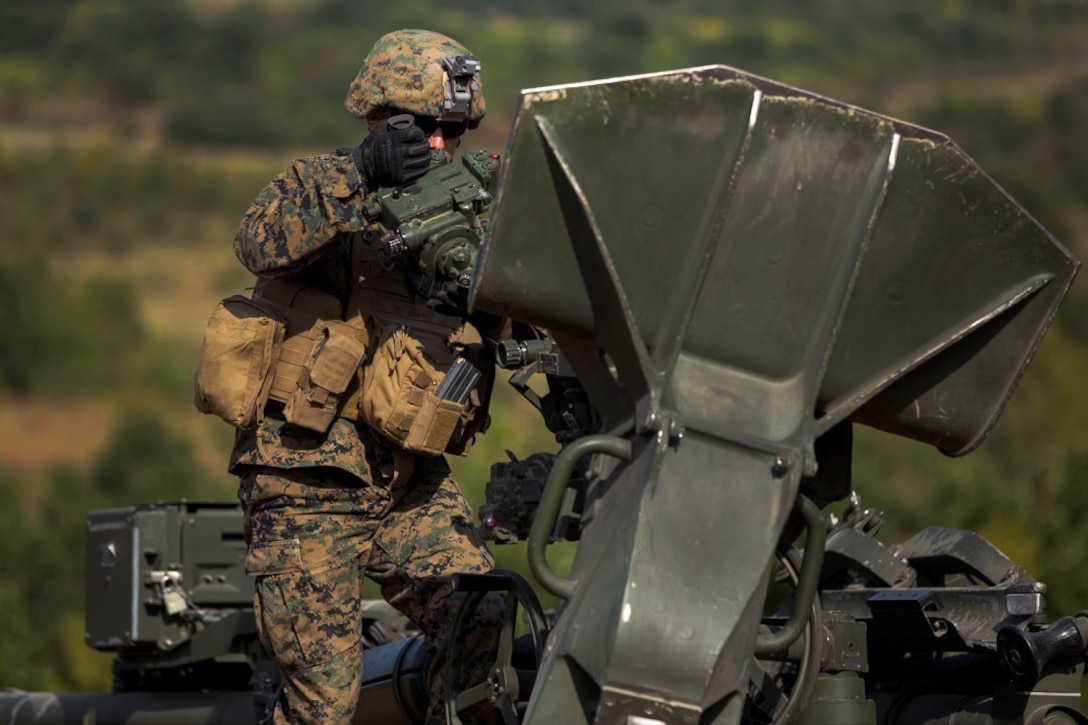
column 777, row 257
column 733, row 267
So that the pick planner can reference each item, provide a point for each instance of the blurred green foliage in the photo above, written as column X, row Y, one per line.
column 41, row 642
column 69, row 333
column 1007, row 79
column 243, row 73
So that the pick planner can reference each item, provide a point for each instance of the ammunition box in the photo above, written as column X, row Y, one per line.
column 158, row 572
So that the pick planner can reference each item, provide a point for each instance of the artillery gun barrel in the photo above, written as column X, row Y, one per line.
column 393, row 693
column 132, row 708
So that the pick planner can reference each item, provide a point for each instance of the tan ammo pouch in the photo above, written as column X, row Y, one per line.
column 285, row 344
column 398, row 397
column 321, row 376
column 320, row 355
column 240, row 346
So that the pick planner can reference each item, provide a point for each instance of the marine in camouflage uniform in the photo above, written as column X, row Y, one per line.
column 324, row 510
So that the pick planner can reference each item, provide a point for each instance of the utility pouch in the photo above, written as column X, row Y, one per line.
column 400, row 386
column 328, row 369
column 241, row 344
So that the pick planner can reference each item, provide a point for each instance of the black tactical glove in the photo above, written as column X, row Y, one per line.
column 394, row 153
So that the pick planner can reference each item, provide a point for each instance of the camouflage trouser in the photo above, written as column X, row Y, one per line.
column 314, row 533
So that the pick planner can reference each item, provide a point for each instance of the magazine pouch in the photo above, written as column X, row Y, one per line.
column 326, row 371
column 401, row 390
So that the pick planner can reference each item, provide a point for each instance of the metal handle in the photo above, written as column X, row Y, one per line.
column 1024, row 655
column 815, row 540
column 552, row 498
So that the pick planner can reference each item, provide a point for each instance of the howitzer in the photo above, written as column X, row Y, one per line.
column 720, row 314
column 784, row 267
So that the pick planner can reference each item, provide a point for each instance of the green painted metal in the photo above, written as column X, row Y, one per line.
column 552, row 499
column 149, row 564
column 773, row 249
column 808, row 578
column 433, row 221
column 732, row 267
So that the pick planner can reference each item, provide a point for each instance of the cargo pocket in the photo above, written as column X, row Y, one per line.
column 307, row 610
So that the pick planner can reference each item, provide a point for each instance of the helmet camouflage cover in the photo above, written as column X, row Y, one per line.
column 422, row 72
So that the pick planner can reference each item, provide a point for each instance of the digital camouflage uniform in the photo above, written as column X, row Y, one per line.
column 322, row 511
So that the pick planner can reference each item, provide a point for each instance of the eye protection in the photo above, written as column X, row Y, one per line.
column 450, row 129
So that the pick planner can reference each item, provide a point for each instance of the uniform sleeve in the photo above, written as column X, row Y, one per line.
column 299, row 213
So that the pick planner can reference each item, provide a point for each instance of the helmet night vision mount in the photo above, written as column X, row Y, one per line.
column 461, row 74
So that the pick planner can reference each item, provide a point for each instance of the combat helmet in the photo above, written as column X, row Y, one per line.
column 422, row 72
